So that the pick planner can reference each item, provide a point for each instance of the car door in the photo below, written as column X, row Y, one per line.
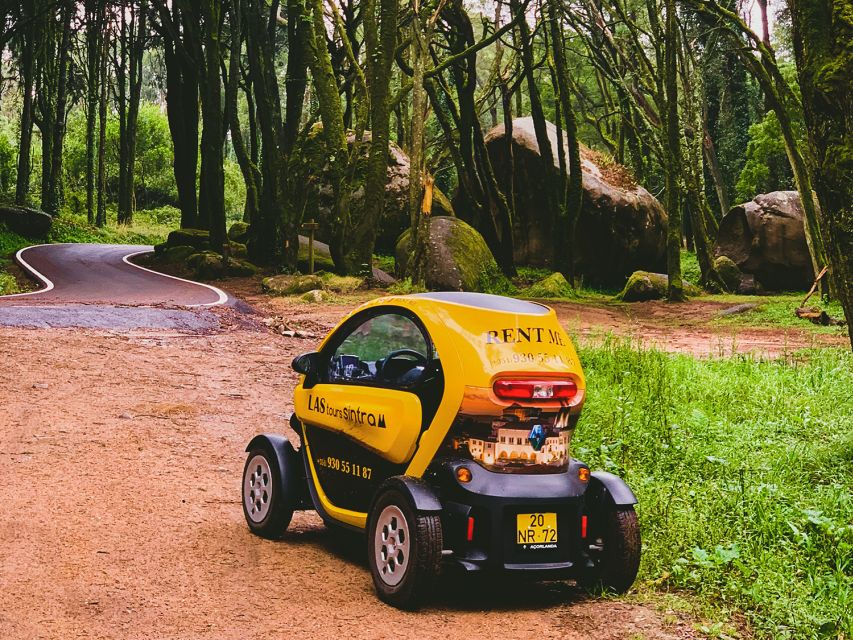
column 363, row 415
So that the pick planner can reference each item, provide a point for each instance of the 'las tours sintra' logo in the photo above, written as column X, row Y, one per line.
column 354, row 415
column 515, row 335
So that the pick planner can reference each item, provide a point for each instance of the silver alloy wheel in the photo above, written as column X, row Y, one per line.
column 391, row 545
column 257, row 488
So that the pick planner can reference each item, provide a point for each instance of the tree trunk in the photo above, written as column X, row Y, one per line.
column 419, row 224
column 822, row 32
column 22, row 185
column 212, row 179
column 94, row 27
column 251, row 175
column 380, row 28
column 672, row 150
column 101, row 217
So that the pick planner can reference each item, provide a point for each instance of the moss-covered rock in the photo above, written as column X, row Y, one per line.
column 238, row 250
column 240, row 268
column 199, row 239
column 322, row 256
column 553, row 286
column 172, row 255
column 239, row 232
column 207, row 265
column 316, row 295
column 288, row 285
column 644, row 285
column 729, row 272
column 341, row 284
column 458, row 258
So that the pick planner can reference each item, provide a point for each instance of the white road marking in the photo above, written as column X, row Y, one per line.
column 223, row 297
column 48, row 285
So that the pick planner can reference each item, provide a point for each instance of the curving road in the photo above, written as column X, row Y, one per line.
column 96, row 285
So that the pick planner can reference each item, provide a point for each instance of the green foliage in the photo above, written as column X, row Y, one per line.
column 404, row 287
column 690, row 267
column 744, row 473
column 8, row 283
column 764, row 150
column 69, row 227
column 154, row 179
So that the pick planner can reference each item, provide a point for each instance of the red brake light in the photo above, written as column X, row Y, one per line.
column 535, row 389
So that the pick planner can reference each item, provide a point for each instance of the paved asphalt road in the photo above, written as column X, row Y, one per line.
column 94, row 285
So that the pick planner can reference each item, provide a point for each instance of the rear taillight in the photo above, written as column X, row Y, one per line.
column 535, row 389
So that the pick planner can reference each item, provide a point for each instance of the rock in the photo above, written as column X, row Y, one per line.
column 382, row 278
column 27, row 222
column 236, row 267
column 643, row 285
column 322, row 256
column 729, row 272
column 177, row 254
column 238, row 249
column 738, row 308
column 621, row 228
column 458, row 258
column 287, row 285
column 312, row 167
column 159, row 249
column 341, row 284
column 199, row 239
column 239, row 232
column 748, row 286
column 316, row 295
column 553, row 286
column 207, row 265
column 766, row 238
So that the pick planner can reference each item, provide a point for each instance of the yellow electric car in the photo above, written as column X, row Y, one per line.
column 440, row 425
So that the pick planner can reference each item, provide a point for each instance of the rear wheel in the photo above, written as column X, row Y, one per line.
column 614, row 551
column 267, row 500
column 404, row 550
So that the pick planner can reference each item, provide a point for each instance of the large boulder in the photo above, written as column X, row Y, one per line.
column 621, row 228
column 642, row 286
column 766, row 238
column 458, row 258
column 311, row 166
column 198, row 239
column 27, row 222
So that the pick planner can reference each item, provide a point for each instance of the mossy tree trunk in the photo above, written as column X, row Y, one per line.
column 823, row 32
column 27, row 61
column 672, row 154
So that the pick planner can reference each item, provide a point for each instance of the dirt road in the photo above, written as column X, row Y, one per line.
column 120, row 464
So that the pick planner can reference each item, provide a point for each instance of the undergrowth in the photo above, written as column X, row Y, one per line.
column 744, row 473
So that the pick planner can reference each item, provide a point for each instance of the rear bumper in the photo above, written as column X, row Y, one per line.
column 493, row 501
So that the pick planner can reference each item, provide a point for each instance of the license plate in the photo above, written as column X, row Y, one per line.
column 536, row 528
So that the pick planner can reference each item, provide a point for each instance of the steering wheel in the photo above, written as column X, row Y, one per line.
column 419, row 358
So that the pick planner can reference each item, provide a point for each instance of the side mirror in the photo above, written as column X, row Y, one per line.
column 307, row 363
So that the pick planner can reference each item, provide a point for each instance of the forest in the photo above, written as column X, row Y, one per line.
column 274, row 114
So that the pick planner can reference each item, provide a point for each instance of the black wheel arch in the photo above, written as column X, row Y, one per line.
column 421, row 495
column 609, row 489
column 281, row 448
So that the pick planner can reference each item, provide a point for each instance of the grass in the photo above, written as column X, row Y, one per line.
column 744, row 473
column 777, row 311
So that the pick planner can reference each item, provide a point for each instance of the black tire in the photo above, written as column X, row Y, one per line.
column 616, row 562
column 268, row 491
column 417, row 556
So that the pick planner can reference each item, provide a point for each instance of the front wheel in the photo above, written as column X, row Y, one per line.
column 404, row 550
column 614, row 552
column 268, row 492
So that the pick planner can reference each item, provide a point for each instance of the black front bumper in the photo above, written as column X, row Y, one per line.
column 494, row 500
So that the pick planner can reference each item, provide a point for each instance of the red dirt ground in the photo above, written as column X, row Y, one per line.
column 120, row 463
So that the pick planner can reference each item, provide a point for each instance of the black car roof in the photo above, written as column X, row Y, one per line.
column 485, row 301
